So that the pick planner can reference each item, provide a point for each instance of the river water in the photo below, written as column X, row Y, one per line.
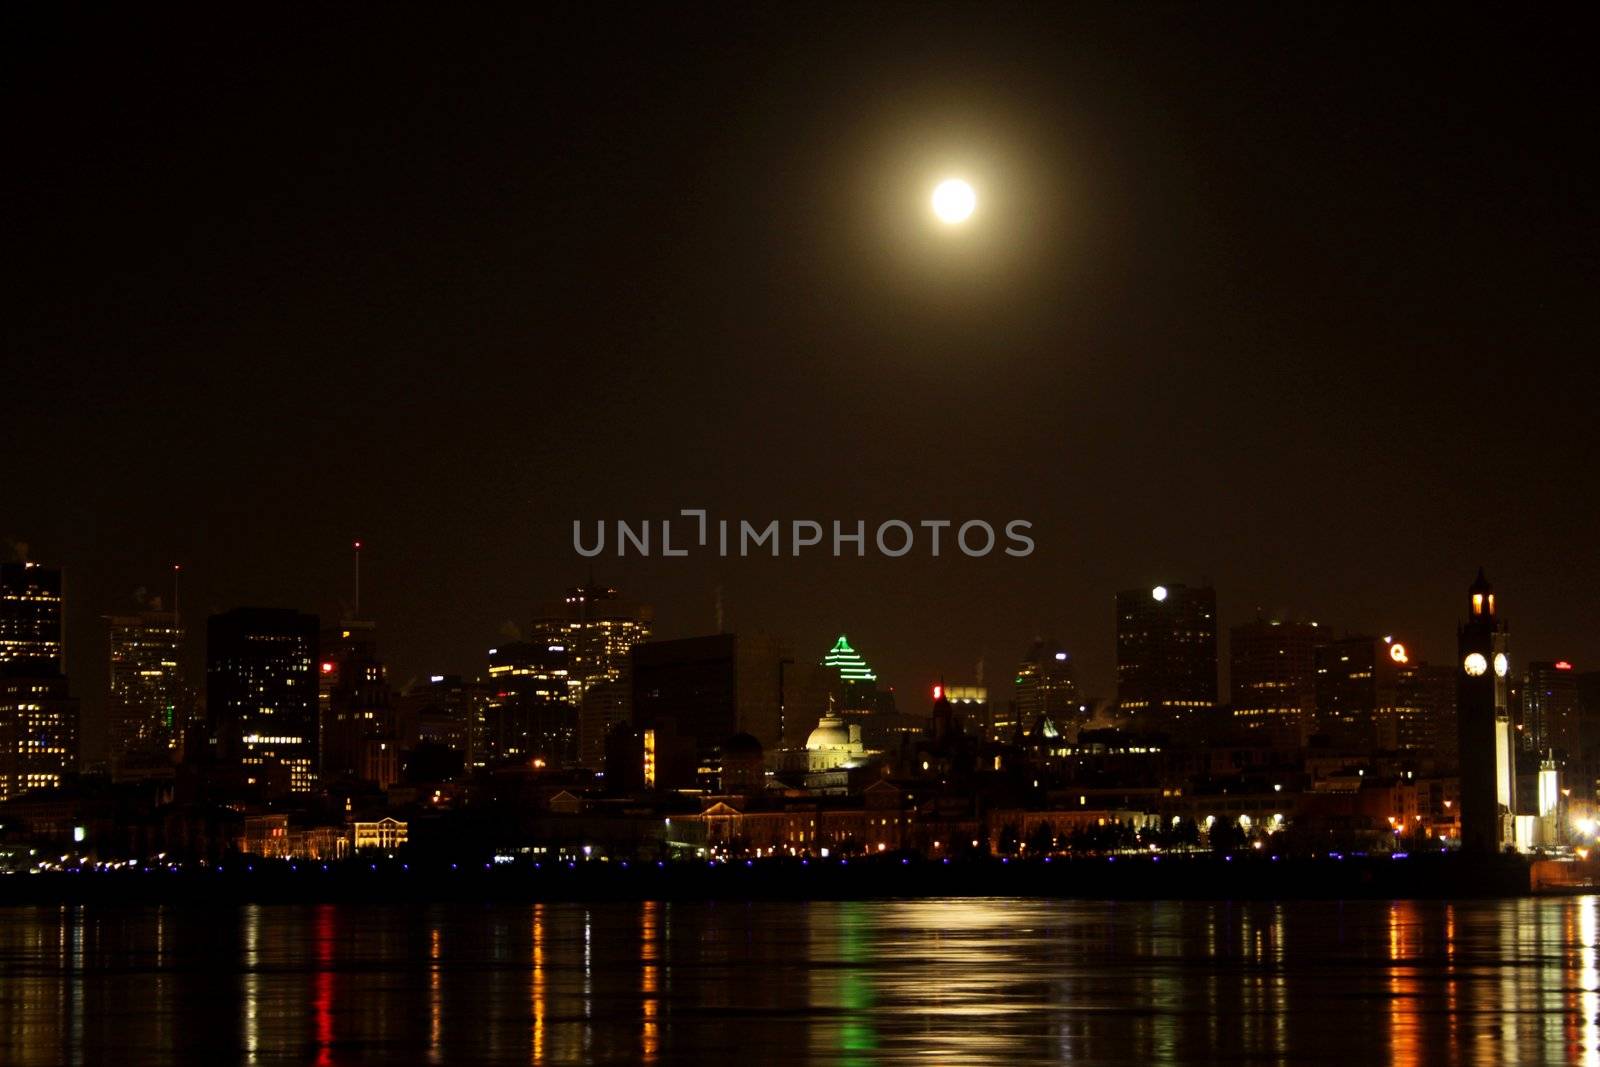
column 886, row 982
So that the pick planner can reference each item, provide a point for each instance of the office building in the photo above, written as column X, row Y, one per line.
column 1426, row 696
column 359, row 730
column 531, row 714
column 706, row 689
column 1550, row 708
column 148, row 704
column 1272, row 679
column 856, row 696
column 1167, row 660
column 31, row 632
column 971, row 703
column 1047, row 687
column 38, row 716
column 1356, row 690
column 447, row 710
column 261, row 695
column 598, row 628
column 38, row 731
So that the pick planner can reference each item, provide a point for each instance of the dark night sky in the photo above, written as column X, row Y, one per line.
column 1301, row 303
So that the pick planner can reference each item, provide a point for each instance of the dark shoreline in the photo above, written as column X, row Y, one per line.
column 1122, row 878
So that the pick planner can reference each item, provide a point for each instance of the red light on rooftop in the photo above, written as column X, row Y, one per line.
column 327, row 667
column 1563, row 665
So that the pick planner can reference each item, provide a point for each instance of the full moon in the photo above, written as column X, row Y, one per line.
column 953, row 201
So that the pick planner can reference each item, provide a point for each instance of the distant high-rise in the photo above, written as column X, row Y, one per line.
column 598, row 630
column 38, row 731
column 148, row 703
column 531, row 713
column 1272, row 679
column 854, row 684
column 707, row 689
column 1167, row 659
column 1425, row 699
column 452, row 712
column 1488, row 776
column 30, row 617
column 603, row 707
column 971, row 703
column 1356, row 693
column 1551, row 708
column 38, row 717
column 852, row 669
column 355, row 707
column 1046, row 685
column 261, row 694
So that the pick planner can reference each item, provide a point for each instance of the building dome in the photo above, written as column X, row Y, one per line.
column 831, row 732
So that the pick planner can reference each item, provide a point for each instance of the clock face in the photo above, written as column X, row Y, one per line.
column 1501, row 664
column 1475, row 664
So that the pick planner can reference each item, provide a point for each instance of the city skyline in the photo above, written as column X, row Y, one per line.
column 86, row 661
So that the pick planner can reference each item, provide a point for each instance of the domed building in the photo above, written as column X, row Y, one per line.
column 832, row 752
column 833, row 743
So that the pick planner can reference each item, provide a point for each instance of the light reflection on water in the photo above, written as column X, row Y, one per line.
column 938, row 981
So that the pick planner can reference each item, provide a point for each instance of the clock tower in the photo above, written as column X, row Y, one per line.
column 1488, row 775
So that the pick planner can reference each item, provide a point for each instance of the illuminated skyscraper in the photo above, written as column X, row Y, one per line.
column 261, row 694
column 38, row 718
column 38, row 732
column 1167, row 659
column 30, row 617
column 598, row 630
column 1272, row 679
column 1550, row 708
column 850, row 667
column 147, row 698
column 854, row 688
column 531, row 714
column 1047, row 685
column 1488, row 777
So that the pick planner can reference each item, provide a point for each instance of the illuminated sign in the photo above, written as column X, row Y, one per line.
column 938, row 691
column 1397, row 652
column 1563, row 665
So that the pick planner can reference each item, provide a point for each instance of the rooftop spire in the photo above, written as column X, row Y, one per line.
column 848, row 662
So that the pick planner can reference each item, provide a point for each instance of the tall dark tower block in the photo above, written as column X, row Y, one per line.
column 1167, row 660
column 261, row 695
column 1488, row 803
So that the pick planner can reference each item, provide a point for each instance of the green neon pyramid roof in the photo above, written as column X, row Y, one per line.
column 848, row 662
